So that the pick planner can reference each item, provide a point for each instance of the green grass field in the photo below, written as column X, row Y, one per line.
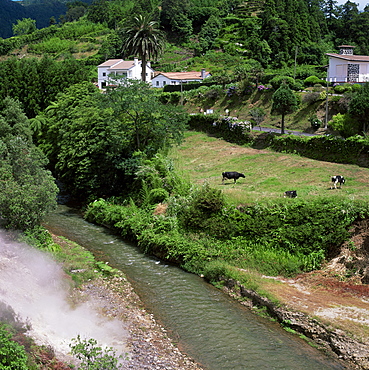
column 268, row 174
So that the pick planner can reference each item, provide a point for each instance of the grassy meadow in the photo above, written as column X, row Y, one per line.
column 202, row 158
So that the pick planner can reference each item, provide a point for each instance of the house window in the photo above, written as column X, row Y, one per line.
column 353, row 73
column 157, row 83
column 104, row 74
column 164, row 83
column 173, row 82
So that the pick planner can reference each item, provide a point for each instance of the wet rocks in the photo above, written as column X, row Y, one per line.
column 149, row 346
column 335, row 342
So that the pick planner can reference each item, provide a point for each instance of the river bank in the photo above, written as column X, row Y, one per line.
column 149, row 346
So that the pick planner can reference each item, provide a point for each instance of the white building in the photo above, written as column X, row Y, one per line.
column 347, row 67
column 162, row 79
column 130, row 69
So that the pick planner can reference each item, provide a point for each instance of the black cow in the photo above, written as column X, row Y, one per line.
column 337, row 180
column 232, row 175
column 290, row 194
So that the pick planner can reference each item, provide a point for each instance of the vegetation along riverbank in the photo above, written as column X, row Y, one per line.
column 125, row 152
column 304, row 259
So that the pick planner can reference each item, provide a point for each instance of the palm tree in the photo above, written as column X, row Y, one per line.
column 143, row 38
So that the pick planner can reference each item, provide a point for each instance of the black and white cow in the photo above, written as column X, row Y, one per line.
column 232, row 175
column 337, row 180
column 290, row 194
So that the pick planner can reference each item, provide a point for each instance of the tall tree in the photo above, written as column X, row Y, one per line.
column 95, row 141
column 359, row 106
column 143, row 38
column 27, row 189
column 284, row 102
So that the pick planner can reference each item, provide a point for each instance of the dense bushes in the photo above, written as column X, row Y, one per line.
column 277, row 239
column 12, row 354
column 227, row 128
column 353, row 150
column 277, row 81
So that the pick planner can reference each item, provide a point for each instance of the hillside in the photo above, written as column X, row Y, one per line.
column 11, row 11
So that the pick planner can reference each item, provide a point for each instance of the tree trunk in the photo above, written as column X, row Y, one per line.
column 282, row 127
column 143, row 65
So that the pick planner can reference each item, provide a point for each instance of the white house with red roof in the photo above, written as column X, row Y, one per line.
column 130, row 69
column 347, row 67
column 162, row 79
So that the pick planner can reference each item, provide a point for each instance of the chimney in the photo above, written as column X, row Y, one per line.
column 135, row 61
column 346, row 49
column 202, row 72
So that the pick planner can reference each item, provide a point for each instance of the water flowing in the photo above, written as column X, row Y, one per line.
column 216, row 331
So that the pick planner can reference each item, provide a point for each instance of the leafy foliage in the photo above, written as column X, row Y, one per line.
column 201, row 233
column 12, row 354
column 143, row 38
column 27, row 189
column 92, row 356
column 345, row 124
column 95, row 142
column 359, row 106
column 36, row 82
column 24, row 26
column 284, row 101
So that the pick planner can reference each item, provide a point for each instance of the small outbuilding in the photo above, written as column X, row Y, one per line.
column 162, row 79
column 347, row 67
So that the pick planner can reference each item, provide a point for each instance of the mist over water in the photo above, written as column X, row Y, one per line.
column 32, row 284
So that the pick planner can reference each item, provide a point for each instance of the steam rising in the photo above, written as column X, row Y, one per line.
column 32, row 285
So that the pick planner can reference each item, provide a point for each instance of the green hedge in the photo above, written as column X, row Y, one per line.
column 220, row 127
column 353, row 150
column 187, row 86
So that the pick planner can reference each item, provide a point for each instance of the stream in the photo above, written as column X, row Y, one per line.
column 207, row 325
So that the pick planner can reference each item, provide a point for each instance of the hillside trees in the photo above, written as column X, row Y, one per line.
column 111, row 13
column 24, row 26
column 35, row 83
column 175, row 19
column 27, row 189
column 286, row 24
column 95, row 142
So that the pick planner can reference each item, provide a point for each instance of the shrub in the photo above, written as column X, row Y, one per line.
column 313, row 80
column 323, row 95
column 277, row 81
column 158, row 195
column 92, row 356
column 53, row 45
column 315, row 122
column 212, row 94
column 355, row 87
column 12, row 354
column 344, row 124
column 339, row 89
